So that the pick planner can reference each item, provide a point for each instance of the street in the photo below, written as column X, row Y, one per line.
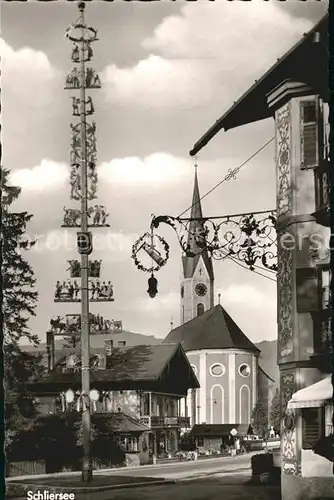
column 188, row 469
column 212, row 479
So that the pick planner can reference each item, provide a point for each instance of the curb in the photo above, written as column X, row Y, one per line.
column 94, row 489
column 233, row 472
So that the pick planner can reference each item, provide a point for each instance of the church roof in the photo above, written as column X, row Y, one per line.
column 190, row 263
column 214, row 329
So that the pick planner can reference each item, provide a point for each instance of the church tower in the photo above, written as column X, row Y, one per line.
column 197, row 272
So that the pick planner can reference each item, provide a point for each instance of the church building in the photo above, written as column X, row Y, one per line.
column 224, row 360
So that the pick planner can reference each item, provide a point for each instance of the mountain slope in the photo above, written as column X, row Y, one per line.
column 268, row 358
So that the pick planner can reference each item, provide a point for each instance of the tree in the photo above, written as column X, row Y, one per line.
column 19, row 300
column 275, row 411
column 259, row 419
column 18, row 281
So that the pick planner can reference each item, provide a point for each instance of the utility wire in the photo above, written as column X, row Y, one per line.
column 231, row 174
column 247, row 268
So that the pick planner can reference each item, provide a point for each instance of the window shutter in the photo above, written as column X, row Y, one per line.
column 307, row 284
column 313, row 426
column 309, row 118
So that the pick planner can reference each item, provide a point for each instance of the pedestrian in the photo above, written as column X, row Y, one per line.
column 237, row 446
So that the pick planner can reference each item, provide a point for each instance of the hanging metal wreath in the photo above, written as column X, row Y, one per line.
column 152, row 251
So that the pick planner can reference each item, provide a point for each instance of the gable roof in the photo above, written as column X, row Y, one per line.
column 136, row 367
column 215, row 329
column 305, row 62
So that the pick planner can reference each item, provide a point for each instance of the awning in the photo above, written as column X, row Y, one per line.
column 314, row 395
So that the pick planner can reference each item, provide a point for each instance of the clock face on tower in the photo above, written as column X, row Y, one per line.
column 201, row 289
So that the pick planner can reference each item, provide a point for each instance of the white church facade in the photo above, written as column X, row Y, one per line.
column 224, row 360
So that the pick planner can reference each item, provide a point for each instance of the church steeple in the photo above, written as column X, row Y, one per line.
column 196, row 213
column 198, row 277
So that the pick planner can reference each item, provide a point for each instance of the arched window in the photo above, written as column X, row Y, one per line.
column 244, row 405
column 217, row 404
column 200, row 309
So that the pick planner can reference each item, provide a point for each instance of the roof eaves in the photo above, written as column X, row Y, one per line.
column 222, row 123
column 266, row 374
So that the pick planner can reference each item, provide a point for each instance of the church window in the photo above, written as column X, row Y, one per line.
column 194, row 369
column 200, row 309
column 217, row 370
column 244, row 370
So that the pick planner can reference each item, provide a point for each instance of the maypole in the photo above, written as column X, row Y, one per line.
column 84, row 285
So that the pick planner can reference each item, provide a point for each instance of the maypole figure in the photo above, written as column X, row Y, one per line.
column 84, row 285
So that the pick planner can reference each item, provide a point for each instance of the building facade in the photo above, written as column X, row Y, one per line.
column 140, row 391
column 296, row 96
column 223, row 359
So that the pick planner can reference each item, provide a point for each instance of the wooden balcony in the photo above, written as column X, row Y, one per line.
column 156, row 422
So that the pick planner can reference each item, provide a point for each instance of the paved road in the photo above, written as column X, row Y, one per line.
column 213, row 488
column 187, row 469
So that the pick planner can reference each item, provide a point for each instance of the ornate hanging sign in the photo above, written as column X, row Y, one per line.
column 249, row 238
column 151, row 248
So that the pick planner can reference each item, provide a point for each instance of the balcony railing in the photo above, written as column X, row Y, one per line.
column 155, row 421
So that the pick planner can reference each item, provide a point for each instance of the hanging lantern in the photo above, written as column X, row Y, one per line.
column 152, row 286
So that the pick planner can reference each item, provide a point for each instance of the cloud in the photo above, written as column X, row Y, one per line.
column 197, row 57
column 31, row 95
column 168, row 301
column 27, row 74
column 156, row 169
column 252, row 305
column 239, row 295
column 47, row 175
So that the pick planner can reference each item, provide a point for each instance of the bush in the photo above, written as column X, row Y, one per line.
column 262, row 463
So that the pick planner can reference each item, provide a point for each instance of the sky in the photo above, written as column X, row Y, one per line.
column 168, row 71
